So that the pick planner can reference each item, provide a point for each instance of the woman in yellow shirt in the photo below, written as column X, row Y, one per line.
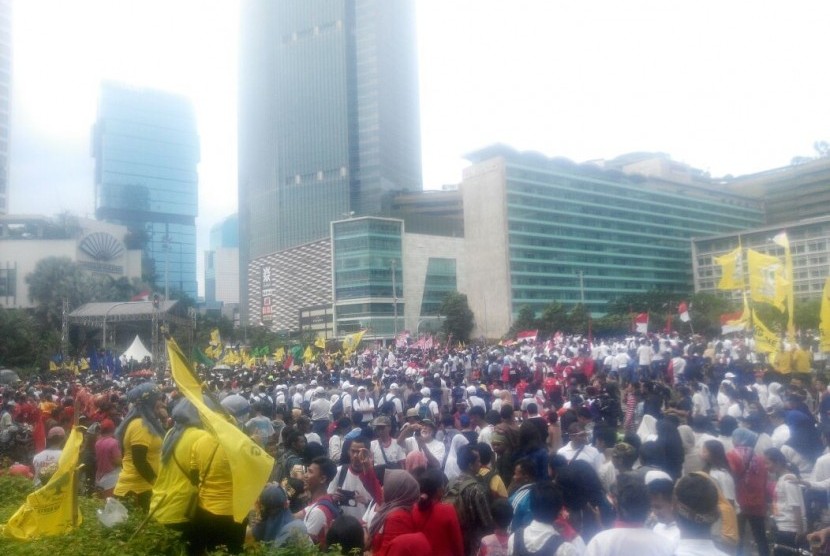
column 173, row 502
column 140, row 435
column 213, row 524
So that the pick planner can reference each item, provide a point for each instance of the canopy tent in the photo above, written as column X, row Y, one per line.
column 137, row 351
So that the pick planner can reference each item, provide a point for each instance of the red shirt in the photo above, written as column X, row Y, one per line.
column 396, row 524
column 440, row 525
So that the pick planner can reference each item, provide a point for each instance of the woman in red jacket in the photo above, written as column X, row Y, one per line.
column 750, row 473
column 393, row 517
column 437, row 520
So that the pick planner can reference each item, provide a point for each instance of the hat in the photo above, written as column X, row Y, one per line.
column 346, row 384
column 471, row 390
column 729, row 375
column 623, row 449
column 107, row 426
column 412, row 412
column 55, row 432
column 382, row 421
column 313, row 383
column 236, row 405
column 320, row 390
column 393, row 386
column 425, row 392
column 361, row 387
column 429, row 423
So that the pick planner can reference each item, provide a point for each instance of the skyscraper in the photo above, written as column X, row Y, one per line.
column 146, row 150
column 5, row 95
column 328, row 117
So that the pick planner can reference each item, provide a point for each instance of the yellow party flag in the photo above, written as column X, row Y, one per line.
column 53, row 366
column 250, row 464
column 308, row 355
column 320, row 342
column 279, row 355
column 767, row 281
column 766, row 341
column 84, row 364
column 351, row 341
column 732, row 273
column 52, row 509
column 824, row 323
column 784, row 241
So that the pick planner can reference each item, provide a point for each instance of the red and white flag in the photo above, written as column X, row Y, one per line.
column 683, row 311
column 141, row 296
column 529, row 335
column 641, row 323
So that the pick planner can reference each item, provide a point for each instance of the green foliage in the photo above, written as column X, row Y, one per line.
column 555, row 318
column 93, row 538
column 459, row 319
column 525, row 320
column 19, row 334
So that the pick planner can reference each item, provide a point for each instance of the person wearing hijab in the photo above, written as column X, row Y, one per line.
column 774, row 400
column 140, row 437
column 669, row 439
column 277, row 525
column 749, row 471
column 394, row 516
column 174, row 495
column 213, row 523
column 804, row 446
column 648, row 428
column 415, row 461
column 691, row 459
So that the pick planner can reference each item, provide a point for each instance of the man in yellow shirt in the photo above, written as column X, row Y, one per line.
column 140, row 435
column 802, row 360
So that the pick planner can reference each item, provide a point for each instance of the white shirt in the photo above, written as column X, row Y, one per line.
column 394, row 453
column 644, row 354
column 725, row 483
column 435, row 447
column 44, row 459
column 788, row 497
column 668, row 531
column 780, row 435
column 335, row 447
column 821, row 472
column 359, row 405
column 537, row 534
column 485, row 435
column 351, row 482
column 587, row 453
column 625, row 542
column 320, row 409
column 433, row 407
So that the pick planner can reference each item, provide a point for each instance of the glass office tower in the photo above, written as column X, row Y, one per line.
column 146, row 150
column 5, row 99
column 368, row 280
column 328, row 117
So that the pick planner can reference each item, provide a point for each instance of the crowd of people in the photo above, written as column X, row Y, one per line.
column 653, row 444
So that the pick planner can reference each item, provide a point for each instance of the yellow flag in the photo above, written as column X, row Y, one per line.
column 308, row 355
column 351, row 341
column 53, row 366
column 52, row 509
column 782, row 240
column 320, row 342
column 766, row 341
column 250, row 465
column 215, row 339
column 84, row 364
column 824, row 323
column 731, row 265
column 279, row 355
column 767, row 280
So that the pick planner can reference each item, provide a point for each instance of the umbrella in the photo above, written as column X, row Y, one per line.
column 8, row 376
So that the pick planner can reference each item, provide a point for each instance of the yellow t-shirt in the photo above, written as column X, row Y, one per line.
column 173, row 490
column 130, row 480
column 802, row 361
column 215, row 479
column 496, row 484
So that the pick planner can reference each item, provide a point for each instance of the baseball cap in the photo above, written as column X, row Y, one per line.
column 425, row 392
column 382, row 421
column 412, row 412
column 393, row 386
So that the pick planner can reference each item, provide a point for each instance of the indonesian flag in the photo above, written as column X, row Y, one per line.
column 683, row 310
column 402, row 339
column 641, row 323
column 429, row 343
column 141, row 296
column 529, row 335
column 733, row 322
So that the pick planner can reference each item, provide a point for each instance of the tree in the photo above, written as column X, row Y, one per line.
column 54, row 280
column 19, row 335
column 459, row 319
column 578, row 320
column 525, row 320
column 554, row 318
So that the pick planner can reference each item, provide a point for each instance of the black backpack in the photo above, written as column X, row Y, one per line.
column 337, row 408
column 388, row 407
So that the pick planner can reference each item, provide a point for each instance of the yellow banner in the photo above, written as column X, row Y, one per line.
column 351, row 341
column 279, row 355
column 767, row 281
column 250, row 464
column 732, row 274
column 766, row 341
column 51, row 510
column 824, row 324
column 308, row 355
column 782, row 240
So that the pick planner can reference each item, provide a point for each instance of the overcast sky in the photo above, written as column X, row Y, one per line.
column 730, row 87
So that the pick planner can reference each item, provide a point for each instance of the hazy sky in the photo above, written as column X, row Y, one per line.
column 730, row 87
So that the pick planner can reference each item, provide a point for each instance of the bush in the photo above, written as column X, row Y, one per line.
column 93, row 538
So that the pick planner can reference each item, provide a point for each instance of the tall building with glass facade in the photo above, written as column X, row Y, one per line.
column 146, row 150
column 539, row 230
column 5, row 99
column 222, row 263
column 328, row 117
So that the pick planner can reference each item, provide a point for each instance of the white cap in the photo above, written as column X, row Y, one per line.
column 320, row 390
column 346, row 384
column 393, row 386
column 729, row 375
column 471, row 389
column 425, row 392
column 313, row 383
column 656, row 475
column 496, row 392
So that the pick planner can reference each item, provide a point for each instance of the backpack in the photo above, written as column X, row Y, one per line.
column 453, row 495
column 485, row 481
column 388, row 407
column 548, row 549
column 337, row 408
column 424, row 411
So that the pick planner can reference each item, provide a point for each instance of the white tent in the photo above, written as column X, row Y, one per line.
column 137, row 351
